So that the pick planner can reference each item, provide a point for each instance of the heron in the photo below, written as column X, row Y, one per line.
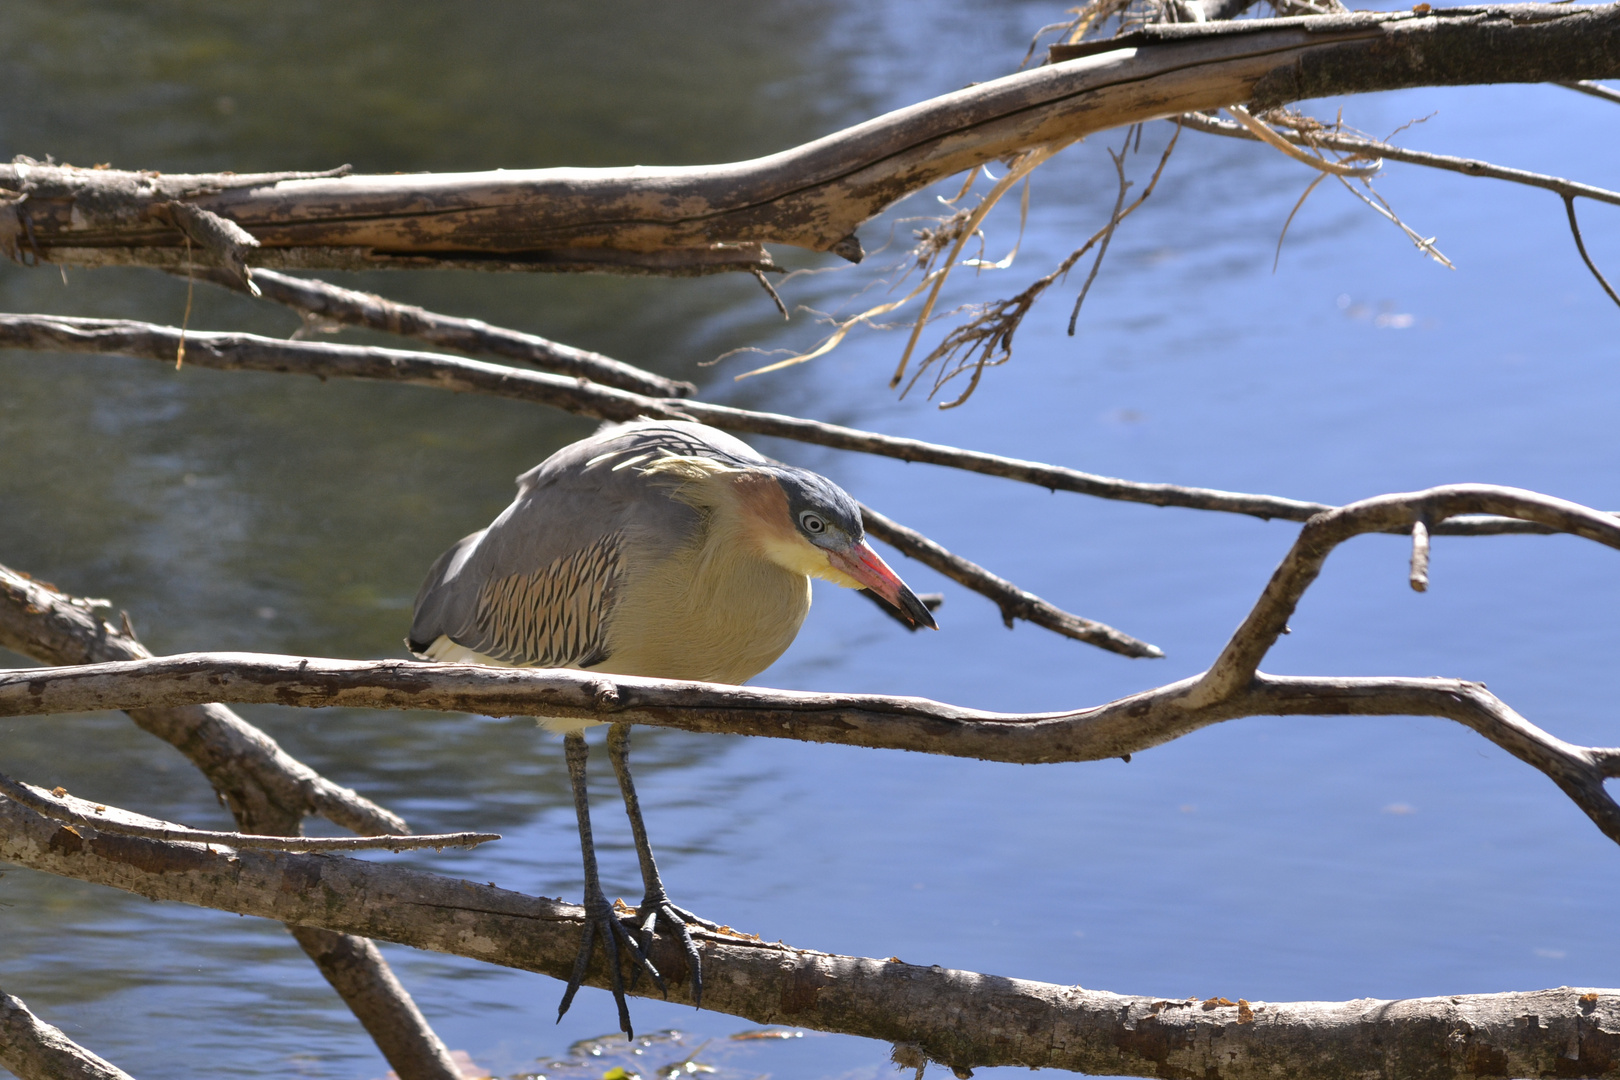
column 663, row 548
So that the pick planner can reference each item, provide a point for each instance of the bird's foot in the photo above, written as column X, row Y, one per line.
column 602, row 921
column 656, row 914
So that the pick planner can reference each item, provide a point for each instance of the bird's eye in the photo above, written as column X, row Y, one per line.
column 812, row 523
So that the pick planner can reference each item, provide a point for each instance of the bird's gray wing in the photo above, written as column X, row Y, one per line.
column 539, row 586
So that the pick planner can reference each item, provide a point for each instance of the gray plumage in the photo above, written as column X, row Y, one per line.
column 659, row 548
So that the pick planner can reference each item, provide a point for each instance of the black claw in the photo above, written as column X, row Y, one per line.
column 675, row 921
column 601, row 921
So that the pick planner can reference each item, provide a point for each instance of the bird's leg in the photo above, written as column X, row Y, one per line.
column 600, row 920
column 655, row 905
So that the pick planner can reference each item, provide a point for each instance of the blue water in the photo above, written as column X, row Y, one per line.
column 1300, row 858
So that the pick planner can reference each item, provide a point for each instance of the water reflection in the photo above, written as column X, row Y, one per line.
column 230, row 510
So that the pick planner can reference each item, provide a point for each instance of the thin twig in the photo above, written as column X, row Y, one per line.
column 765, row 283
column 1595, row 89
column 1281, row 236
column 249, row 352
column 1371, row 148
column 330, row 303
column 1420, row 556
column 1108, row 236
column 1580, row 245
column 1014, row 602
column 986, row 339
column 1266, row 135
column 60, row 806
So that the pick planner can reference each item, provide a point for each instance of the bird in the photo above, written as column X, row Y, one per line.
column 663, row 548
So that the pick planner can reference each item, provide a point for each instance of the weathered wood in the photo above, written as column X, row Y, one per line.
column 266, row 790
column 35, row 1050
column 959, row 1018
column 713, row 218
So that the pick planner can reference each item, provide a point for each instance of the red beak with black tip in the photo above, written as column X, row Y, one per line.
column 866, row 566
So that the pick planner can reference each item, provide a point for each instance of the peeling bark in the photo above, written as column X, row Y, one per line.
column 707, row 219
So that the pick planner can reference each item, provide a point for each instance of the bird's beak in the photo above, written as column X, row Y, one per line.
column 866, row 566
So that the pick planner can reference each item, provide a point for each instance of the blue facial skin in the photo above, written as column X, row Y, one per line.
column 822, row 511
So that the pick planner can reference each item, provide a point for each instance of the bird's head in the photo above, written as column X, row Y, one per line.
column 810, row 525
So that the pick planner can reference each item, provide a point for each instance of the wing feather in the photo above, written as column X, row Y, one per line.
column 539, row 586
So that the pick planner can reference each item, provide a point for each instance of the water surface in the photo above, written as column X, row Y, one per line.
column 1301, row 858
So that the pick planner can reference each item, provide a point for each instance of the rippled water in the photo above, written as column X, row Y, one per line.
column 1267, row 858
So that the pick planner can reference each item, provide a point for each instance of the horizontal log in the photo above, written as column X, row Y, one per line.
column 705, row 219
column 959, row 1018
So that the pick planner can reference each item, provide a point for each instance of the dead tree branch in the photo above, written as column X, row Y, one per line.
column 1232, row 687
column 266, row 790
column 1597, row 90
column 1301, row 131
column 258, row 779
column 35, row 1050
column 60, row 806
column 958, row 1018
column 1308, row 132
column 708, row 219
column 320, row 300
column 1014, row 602
column 1012, row 1022
column 249, row 352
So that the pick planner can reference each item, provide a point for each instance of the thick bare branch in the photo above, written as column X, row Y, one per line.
column 1232, row 686
column 325, row 301
column 249, row 352
column 256, row 777
column 703, row 219
column 958, row 1018
column 35, row 1050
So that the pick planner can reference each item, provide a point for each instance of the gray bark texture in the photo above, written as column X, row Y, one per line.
column 34, row 1050
column 712, row 219
column 957, row 1018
